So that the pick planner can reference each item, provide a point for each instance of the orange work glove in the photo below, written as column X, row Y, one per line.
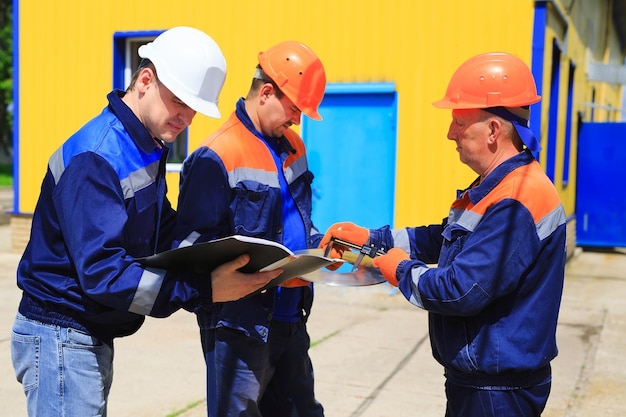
column 295, row 282
column 347, row 231
column 388, row 264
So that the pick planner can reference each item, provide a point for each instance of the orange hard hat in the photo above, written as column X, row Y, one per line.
column 299, row 74
column 490, row 80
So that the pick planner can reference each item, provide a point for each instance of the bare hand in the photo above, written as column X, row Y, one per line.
column 229, row 284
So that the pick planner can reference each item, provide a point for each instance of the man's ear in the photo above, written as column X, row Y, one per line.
column 495, row 129
column 266, row 90
column 145, row 78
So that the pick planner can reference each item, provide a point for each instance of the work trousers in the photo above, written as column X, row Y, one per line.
column 466, row 401
column 242, row 369
column 290, row 391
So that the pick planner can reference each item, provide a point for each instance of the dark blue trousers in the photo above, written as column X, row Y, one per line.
column 466, row 401
column 249, row 378
column 290, row 391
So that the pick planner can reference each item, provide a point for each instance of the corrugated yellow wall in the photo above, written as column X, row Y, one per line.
column 66, row 64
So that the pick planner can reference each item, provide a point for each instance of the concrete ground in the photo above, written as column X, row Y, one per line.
column 370, row 351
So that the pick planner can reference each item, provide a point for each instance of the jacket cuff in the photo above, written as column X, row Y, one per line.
column 380, row 238
column 201, row 284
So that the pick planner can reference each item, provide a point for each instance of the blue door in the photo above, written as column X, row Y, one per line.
column 352, row 153
column 600, row 199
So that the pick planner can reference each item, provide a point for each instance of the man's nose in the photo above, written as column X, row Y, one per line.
column 296, row 117
column 451, row 132
column 187, row 115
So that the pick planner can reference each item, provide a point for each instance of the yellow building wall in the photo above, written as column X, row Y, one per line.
column 66, row 69
column 66, row 63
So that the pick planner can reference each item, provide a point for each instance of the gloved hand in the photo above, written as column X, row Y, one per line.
column 295, row 282
column 347, row 231
column 388, row 264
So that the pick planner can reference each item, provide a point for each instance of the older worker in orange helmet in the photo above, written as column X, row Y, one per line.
column 493, row 297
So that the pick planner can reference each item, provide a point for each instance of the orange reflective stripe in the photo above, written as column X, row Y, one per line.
column 246, row 157
column 239, row 148
column 522, row 184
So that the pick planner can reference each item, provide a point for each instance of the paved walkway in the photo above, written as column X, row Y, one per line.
column 370, row 352
column 6, row 204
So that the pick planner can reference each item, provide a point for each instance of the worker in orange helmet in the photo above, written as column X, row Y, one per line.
column 251, row 178
column 494, row 295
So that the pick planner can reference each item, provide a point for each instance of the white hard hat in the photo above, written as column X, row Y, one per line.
column 191, row 65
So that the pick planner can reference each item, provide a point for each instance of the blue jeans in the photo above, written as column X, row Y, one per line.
column 64, row 372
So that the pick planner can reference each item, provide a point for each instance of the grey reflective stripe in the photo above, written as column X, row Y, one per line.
column 416, row 274
column 401, row 239
column 135, row 181
column 465, row 218
column 56, row 165
column 147, row 291
column 250, row 174
column 550, row 222
column 189, row 240
column 139, row 179
column 297, row 168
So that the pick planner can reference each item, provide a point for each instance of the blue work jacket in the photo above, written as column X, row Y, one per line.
column 235, row 177
column 493, row 298
column 102, row 205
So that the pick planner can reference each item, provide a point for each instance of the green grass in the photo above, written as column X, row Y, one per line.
column 6, row 175
column 317, row 342
column 189, row 407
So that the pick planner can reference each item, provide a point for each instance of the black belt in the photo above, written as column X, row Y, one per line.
column 504, row 380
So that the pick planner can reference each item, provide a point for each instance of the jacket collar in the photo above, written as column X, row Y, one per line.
column 479, row 189
column 279, row 145
column 131, row 123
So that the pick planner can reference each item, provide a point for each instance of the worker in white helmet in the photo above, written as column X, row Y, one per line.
column 102, row 206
